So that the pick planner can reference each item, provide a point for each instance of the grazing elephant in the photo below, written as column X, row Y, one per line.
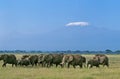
column 8, row 59
column 103, row 59
column 73, row 60
column 93, row 62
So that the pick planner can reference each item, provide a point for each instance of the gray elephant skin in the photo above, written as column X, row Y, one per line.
column 8, row 59
column 48, row 60
column 93, row 62
column 103, row 59
column 73, row 60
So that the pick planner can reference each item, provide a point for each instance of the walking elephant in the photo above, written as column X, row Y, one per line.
column 33, row 60
column 8, row 59
column 93, row 62
column 57, row 59
column 50, row 59
column 73, row 60
column 47, row 60
column 24, row 62
column 103, row 59
column 84, row 61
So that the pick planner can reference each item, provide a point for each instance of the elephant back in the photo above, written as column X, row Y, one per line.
column 77, row 57
column 103, row 59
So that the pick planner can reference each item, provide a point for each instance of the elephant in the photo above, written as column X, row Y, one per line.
column 73, row 60
column 50, row 59
column 25, row 56
column 84, row 61
column 103, row 59
column 24, row 62
column 41, row 60
column 57, row 59
column 93, row 62
column 8, row 59
column 33, row 60
column 47, row 60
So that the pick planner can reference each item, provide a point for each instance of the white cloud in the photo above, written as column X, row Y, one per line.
column 77, row 24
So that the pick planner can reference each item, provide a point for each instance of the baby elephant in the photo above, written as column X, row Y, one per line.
column 93, row 62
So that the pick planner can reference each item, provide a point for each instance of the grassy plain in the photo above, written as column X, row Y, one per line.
column 113, row 72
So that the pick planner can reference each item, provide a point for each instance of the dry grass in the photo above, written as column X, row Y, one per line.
column 63, row 73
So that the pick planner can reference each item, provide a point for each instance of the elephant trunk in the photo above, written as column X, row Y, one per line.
column 62, row 64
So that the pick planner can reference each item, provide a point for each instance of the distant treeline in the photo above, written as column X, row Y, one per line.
column 108, row 51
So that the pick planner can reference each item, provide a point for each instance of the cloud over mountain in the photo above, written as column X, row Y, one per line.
column 77, row 24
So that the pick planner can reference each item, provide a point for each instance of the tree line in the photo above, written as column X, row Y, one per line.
column 107, row 51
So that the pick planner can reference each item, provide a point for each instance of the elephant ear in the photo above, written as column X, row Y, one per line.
column 71, row 58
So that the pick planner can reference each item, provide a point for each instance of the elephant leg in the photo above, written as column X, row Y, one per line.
column 4, row 65
column 80, row 65
column 61, row 65
column 68, row 65
column 56, row 65
column 84, row 65
column 91, row 66
column 32, row 64
column 12, row 65
column 51, row 64
column 15, row 64
column 74, row 66
column 97, row 66
column 43, row 64
column 87, row 65
column 35, row 64
column 103, row 65
column 107, row 65
column 48, row 65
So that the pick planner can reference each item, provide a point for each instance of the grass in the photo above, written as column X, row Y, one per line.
column 113, row 72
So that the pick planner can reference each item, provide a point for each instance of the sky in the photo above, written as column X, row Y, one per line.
column 59, row 25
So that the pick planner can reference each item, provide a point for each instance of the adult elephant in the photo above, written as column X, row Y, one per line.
column 57, row 59
column 103, row 59
column 24, row 62
column 84, row 61
column 47, row 60
column 73, row 60
column 33, row 60
column 93, row 62
column 41, row 60
column 25, row 56
column 50, row 59
column 8, row 59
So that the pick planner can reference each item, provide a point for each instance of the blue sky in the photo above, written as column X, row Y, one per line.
column 59, row 24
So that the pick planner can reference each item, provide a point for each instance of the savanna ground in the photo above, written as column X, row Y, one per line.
column 113, row 72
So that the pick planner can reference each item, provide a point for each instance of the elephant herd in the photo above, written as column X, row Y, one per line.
column 48, row 60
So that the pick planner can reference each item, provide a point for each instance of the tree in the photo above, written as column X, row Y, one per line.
column 108, row 51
